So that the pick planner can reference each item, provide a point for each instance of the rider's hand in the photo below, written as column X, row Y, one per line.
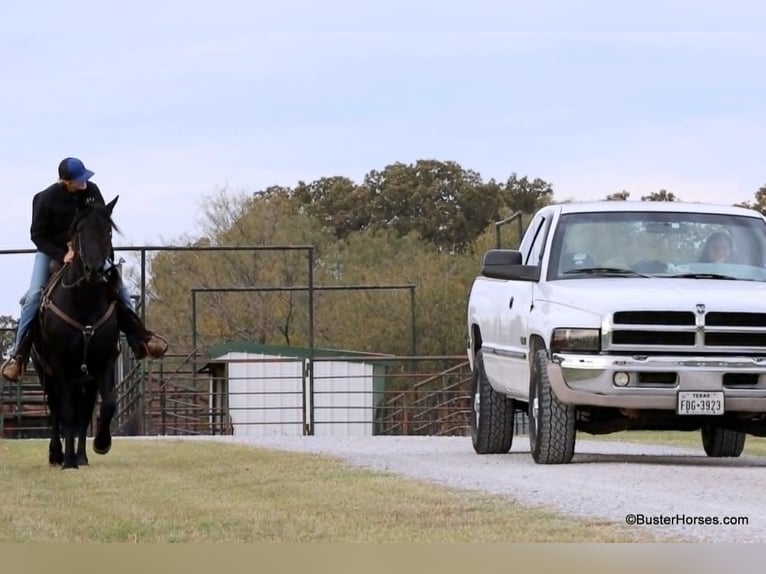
column 69, row 254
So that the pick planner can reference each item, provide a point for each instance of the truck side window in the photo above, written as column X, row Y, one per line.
column 538, row 243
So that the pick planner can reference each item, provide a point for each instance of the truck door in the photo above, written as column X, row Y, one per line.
column 515, row 306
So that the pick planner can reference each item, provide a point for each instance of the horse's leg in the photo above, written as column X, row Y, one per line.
column 88, row 404
column 69, row 424
column 70, row 457
column 55, row 452
column 82, row 456
column 82, row 436
column 102, row 442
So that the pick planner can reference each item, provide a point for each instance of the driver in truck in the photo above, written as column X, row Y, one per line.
column 718, row 248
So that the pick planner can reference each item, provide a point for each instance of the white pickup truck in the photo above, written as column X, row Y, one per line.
column 621, row 315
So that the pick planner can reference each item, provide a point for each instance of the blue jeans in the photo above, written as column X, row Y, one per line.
column 31, row 301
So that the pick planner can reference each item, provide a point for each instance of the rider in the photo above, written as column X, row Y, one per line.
column 53, row 210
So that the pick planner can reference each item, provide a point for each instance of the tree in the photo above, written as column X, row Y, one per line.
column 760, row 201
column 374, row 321
column 268, row 219
column 441, row 202
column 379, row 321
column 526, row 196
column 661, row 195
column 618, row 196
column 337, row 202
column 424, row 223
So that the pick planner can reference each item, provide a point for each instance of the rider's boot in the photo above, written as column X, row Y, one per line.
column 14, row 366
column 142, row 341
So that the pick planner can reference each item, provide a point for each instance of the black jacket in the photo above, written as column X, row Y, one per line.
column 53, row 211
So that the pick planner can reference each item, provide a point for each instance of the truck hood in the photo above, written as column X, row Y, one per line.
column 605, row 295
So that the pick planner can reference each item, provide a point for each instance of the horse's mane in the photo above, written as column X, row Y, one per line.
column 100, row 210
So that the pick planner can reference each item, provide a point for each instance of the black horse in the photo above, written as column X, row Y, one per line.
column 76, row 344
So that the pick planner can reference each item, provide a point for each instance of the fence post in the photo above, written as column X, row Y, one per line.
column 304, row 396
column 163, row 407
column 414, row 331
column 407, row 401
column 311, row 340
column 142, row 388
column 517, row 216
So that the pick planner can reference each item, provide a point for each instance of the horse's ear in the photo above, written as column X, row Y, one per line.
column 110, row 205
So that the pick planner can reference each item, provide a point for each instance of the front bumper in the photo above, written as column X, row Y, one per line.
column 589, row 380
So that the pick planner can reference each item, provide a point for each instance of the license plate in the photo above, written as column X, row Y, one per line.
column 700, row 403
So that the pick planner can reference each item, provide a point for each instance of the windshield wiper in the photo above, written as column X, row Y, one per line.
column 619, row 271
column 704, row 276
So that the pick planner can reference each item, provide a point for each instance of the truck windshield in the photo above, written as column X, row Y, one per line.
column 659, row 244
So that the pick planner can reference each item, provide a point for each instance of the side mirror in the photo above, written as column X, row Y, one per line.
column 506, row 264
column 501, row 257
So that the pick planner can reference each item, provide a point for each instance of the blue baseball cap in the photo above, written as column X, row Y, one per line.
column 72, row 169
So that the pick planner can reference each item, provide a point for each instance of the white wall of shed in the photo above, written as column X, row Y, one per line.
column 265, row 397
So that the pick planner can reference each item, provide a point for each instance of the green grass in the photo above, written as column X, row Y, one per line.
column 175, row 491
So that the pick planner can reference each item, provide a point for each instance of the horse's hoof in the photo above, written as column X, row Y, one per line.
column 55, row 458
column 69, row 465
column 82, row 461
column 102, row 447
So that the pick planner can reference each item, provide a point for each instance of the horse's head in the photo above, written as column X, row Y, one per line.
column 91, row 237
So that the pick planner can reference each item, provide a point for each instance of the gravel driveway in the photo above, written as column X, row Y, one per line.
column 606, row 480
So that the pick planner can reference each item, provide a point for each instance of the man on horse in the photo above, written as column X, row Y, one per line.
column 53, row 211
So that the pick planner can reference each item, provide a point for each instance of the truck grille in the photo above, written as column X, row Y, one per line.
column 653, row 318
column 652, row 338
column 685, row 331
column 718, row 319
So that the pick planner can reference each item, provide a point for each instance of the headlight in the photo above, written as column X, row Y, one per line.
column 576, row 340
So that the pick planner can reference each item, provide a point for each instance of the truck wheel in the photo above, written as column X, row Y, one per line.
column 551, row 423
column 492, row 414
column 719, row 442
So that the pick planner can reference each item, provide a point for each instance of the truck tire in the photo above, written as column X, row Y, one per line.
column 719, row 442
column 551, row 424
column 492, row 414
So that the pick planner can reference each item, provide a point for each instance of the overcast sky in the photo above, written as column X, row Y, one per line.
column 168, row 101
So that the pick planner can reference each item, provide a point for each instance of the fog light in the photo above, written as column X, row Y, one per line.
column 621, row 379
